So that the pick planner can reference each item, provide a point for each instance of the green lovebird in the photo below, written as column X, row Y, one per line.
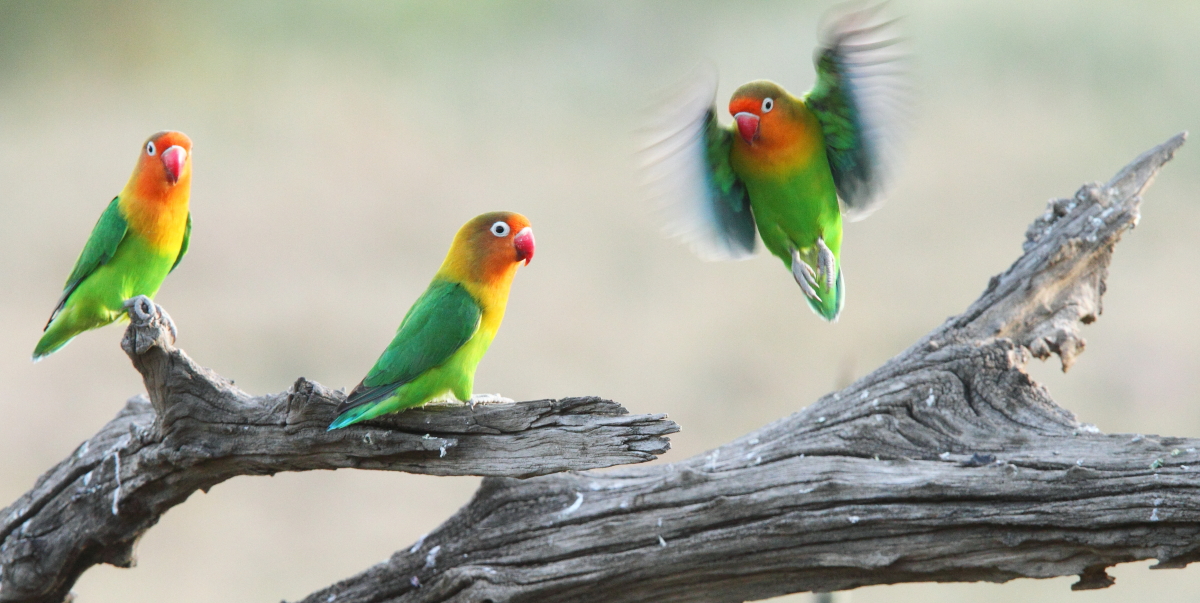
column 447, row 330
column 139, row 239
column 783, row 164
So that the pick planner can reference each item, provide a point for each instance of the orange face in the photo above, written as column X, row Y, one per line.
column 762, row 119
column 164, row 165
column 492, row 245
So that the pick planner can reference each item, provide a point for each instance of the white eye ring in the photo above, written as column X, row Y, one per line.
column 150, row 150
column 501, row 229
column 768, row 104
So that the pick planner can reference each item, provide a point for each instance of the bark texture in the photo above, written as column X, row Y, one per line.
column 196, row 429
column 948, row 463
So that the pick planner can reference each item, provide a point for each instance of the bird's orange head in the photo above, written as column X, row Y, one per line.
column 764, row 115
column 164, row 166
column 489, row 248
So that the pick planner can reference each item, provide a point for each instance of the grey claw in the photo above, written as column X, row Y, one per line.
column 804, row 275
column 140, row 310
column 828, row 263
column 166, row 318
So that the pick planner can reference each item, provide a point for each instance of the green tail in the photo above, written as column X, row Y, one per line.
column 365, row 412
column 832, row 301
column 352, row 416
column 61, row 330
column 51, row 342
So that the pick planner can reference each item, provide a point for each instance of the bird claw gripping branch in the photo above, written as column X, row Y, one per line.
column 143, row 313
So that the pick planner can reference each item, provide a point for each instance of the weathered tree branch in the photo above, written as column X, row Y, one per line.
column 946, row 464
column 196, row 430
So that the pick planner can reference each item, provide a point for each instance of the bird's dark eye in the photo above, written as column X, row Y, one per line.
column 501, row 229
column 150, row 150
column 768, row 104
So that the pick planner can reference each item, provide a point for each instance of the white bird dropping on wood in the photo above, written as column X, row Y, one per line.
column 574, row 506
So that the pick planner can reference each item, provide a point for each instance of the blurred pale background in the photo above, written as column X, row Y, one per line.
column 339, row 145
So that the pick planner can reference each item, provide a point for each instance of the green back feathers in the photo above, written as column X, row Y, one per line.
column 443, row 319
column 100, row 247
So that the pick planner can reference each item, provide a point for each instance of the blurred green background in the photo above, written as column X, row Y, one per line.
column 338, row 145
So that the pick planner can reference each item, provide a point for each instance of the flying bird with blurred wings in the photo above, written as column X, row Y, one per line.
column 445, row 333
column 784, row 163
column 139, row 239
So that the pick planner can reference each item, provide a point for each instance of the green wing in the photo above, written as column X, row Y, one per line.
column 687, row 172
column 443, row 319
column 859, row 98
column 187, row 236
column 728, row 197
column 98, row 250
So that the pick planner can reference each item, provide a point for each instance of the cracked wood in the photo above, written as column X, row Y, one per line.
column 948, row 463
column 196, row 430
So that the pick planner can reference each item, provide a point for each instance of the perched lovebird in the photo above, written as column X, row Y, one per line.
column 782, row 165
column 447, row 330
column 139, row 238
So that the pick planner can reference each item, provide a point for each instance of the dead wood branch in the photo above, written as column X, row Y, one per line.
column 196, row 430
column 947, row 464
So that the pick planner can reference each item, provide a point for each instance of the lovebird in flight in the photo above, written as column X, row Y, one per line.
column 783, row 164
column 139, row 239
column 447, row 330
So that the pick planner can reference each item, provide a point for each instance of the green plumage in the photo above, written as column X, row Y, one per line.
column 791, row 169
column 849, row 146
column 731, row 204
column 115, row 265
column 793, row 207
column 435, row 351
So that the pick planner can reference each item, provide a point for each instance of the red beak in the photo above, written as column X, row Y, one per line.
column 524, row 244
column 173, row 160
column 747, row 124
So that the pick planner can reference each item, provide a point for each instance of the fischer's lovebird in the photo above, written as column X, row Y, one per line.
column 447, row 330
column 139, row 239
column 783, row 164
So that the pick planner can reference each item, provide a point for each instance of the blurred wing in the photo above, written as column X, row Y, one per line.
column 443, row 319
column 99, row 249
column 685, row 162
column 187, row 237
column 860, row 99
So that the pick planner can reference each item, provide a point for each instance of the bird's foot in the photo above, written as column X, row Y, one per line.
column 827, row 262
column 488, row 399
column 142, row 311
column 804, row 275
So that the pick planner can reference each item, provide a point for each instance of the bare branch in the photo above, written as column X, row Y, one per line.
column 946, row 464
column 196, row 430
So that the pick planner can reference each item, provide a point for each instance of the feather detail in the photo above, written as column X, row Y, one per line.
column 162, row 221
column 687, row 176
column 861, row 99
